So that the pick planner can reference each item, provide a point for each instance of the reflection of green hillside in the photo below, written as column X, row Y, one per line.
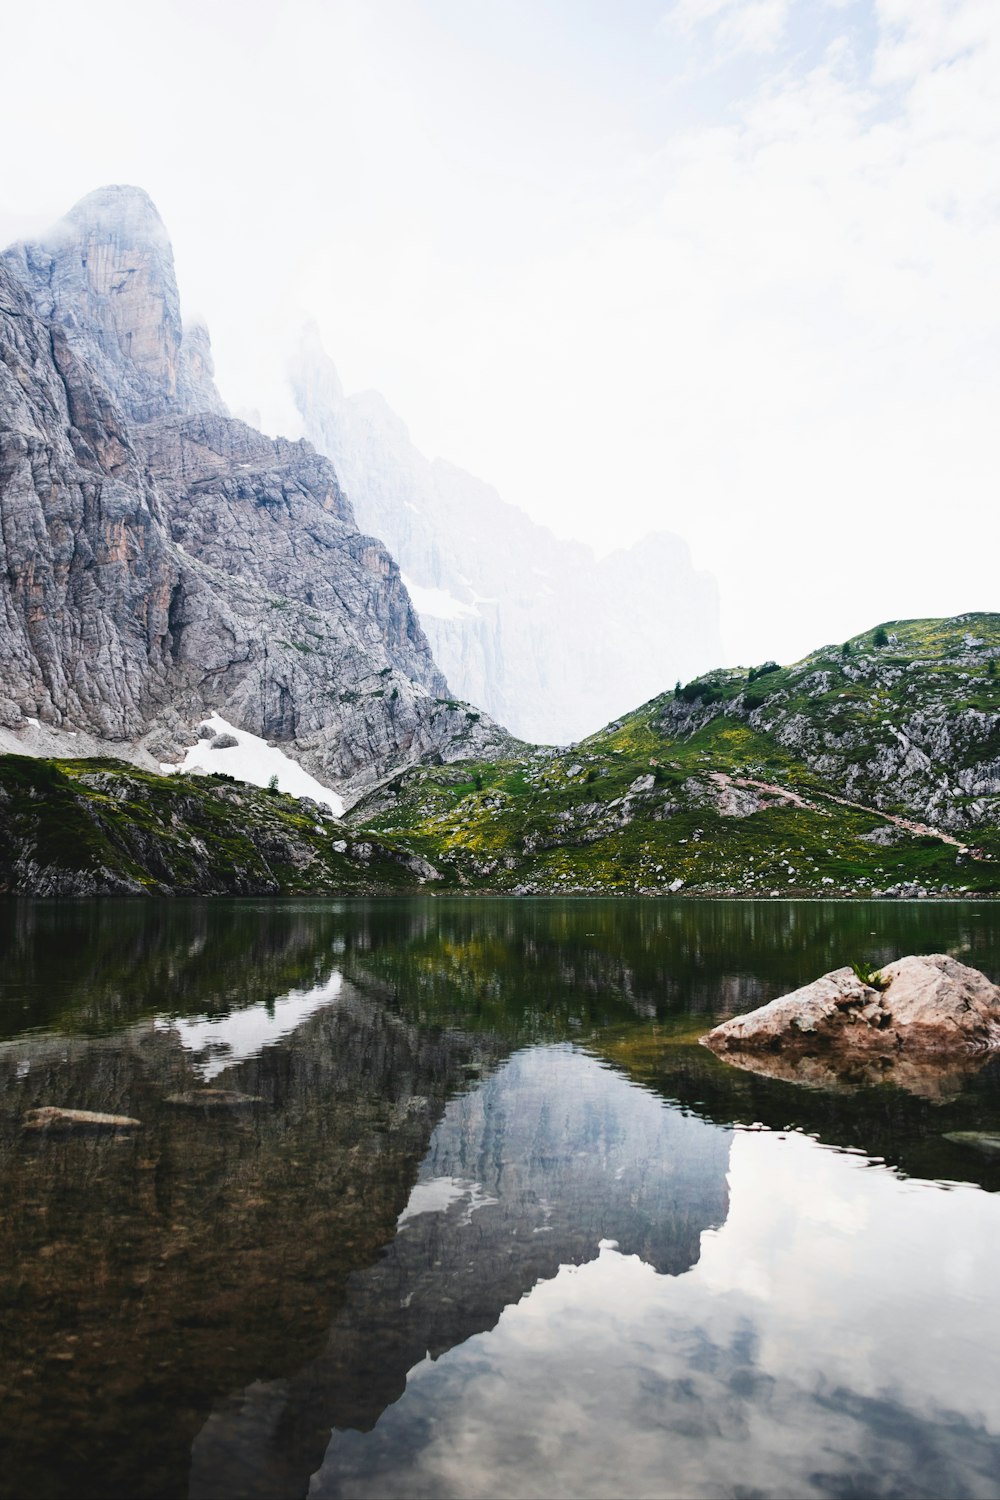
column 561, row 968
column 93, row 966
column 520, row 969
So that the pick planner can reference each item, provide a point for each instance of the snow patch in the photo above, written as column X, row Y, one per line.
column 245, row 1033
column 438, row 603
column 254, row 761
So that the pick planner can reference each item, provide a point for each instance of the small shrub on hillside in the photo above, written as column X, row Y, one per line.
column 881, row 637
column 692, row 691
column 762, row 671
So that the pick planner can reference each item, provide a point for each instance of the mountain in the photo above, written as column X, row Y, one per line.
column 550, row 639
column 868, row 768
column 162, row 559
column 865, row 769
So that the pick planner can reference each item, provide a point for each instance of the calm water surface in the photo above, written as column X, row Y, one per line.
column 495, row 1225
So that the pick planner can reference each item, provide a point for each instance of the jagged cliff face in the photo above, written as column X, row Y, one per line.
column 163, row 559
column 105, row 275
column 550, row 639
column 89, row 571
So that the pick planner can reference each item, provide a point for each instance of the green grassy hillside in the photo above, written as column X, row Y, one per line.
column 92, row 827
column 872, row 766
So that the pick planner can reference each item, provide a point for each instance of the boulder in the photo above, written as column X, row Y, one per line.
column 928, row 1004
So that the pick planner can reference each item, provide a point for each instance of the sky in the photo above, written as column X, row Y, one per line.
column 728, row 268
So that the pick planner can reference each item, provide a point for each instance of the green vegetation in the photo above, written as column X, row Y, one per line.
column 821, row 780
column 858, row 771
column 101, row 826
column 869, row 975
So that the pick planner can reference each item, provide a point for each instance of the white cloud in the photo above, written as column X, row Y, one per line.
column 734, row 25
column 753, row 295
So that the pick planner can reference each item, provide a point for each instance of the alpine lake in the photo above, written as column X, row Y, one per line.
column 488, row 1219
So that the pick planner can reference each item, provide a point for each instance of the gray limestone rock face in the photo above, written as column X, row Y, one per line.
column 161, row 559
column 89, row 571
column 105, row 275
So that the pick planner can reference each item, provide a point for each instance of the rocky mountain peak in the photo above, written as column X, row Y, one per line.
column 105, row 273
column 121, row 212
column 163, row 561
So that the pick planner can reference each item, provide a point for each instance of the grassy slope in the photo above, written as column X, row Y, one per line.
column 586, row 818
column 77, row 827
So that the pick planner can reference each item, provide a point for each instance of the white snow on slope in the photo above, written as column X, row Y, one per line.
column 438, row 603
column 255, row 761
column 221, row 1041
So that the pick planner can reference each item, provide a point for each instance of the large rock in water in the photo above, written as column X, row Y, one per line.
column 929, row 1004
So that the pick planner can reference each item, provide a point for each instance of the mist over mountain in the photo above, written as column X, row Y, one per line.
column 551, row 640
column 163, row 559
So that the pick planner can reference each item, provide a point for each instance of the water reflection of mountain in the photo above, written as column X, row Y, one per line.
column 525, row 969
column 142, row 1280
column 525, row 1173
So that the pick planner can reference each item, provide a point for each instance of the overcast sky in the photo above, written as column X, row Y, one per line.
column 725, row 267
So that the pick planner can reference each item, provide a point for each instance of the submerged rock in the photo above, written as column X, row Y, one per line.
column 929, row 1004
column 51, row 1117
column 213, row 1099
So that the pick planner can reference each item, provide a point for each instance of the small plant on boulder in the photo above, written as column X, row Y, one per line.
column 869, row 975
